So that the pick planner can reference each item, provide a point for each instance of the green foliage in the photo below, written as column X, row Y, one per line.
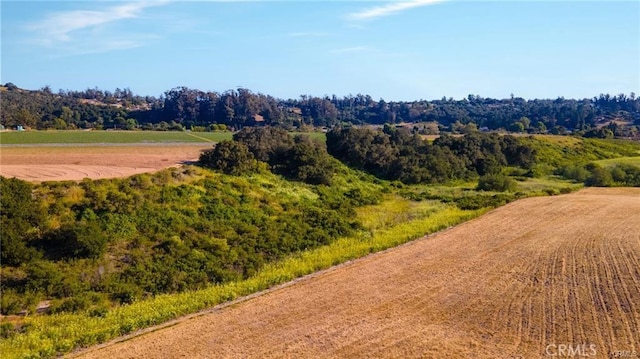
column 618, row 175
column 299, row 158
column 496, row 182
column 397, row 155
column 599, row 176
column 13, row 301
column 268, row 144
column 96, row 136
column 7, row 330
column 117, row 255
column 556, row 152
column 308, row 161
column 183, row 107
column 576, row 173
column 631, row 175
column 21, row 218
column 599, row 133
column 173, row 231
column 48, row 336
column 230, row 157
column 78, row 240
column 480, row 201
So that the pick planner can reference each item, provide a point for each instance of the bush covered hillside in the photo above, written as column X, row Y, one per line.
column 93, row 244
column 90, row 244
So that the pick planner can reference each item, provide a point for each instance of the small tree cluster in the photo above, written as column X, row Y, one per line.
column 396, row 154
column 299, row 158
column 230, row 157
column 595, row 175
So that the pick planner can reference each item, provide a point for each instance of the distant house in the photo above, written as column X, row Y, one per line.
column 258, row 120
column 19, row 128
column 296, row 110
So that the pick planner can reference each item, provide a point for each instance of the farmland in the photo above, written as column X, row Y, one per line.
column 158, row 246
column 508, row 284
column 27, row 138
column 80, row 137
column 75, row 162
column 38, row 156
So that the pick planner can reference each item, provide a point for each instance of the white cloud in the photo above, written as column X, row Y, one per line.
column 389, row 9
column 63, row 28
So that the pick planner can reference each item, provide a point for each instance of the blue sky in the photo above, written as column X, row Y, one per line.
column 396, row 50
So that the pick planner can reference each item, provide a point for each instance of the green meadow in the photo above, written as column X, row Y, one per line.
column 116, row 137
column 96, row 137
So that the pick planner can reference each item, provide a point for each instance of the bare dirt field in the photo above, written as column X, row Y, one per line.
column 75, row 162
column 532, row 279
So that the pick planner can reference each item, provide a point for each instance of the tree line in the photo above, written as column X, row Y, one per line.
column 185, row 108
column 396, row 154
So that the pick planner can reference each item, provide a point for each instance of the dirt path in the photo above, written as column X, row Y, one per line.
column 58, row 163
column 518, row 282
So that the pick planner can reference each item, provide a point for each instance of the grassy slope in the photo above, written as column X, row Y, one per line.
column 631, row 161
column 558, row 151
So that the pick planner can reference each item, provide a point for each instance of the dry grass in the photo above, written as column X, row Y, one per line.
column 540, row 271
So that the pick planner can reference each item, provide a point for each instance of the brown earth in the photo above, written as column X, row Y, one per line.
column 58, row 163
column 532, row 278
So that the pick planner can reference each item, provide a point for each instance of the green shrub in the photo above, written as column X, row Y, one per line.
column 618, row 174
column 576, row 173
column 496, row 182
column 74, row 240
column 599, row 176
column 632, row 175
column 21, row 218
column 7, row 330
column 230, row 157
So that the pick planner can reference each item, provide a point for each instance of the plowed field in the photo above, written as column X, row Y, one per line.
column 75, row 162
column 528, row 280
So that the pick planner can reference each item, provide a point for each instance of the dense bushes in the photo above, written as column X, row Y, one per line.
column 596, row 175
column 230, row 157
column 496, row 182
column 396, row 154
column 299, row 158
column 122, row 240
column 21, row 218
column 307, row 161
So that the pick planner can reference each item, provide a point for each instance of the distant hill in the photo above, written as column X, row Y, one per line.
column 184, row 108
